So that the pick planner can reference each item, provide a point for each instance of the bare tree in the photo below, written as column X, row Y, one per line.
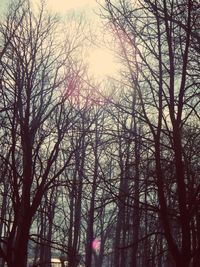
column 161, row 35
column 34, row 69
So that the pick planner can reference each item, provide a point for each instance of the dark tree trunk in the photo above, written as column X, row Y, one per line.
column 20, row 245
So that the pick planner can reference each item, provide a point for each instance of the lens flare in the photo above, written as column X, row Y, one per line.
column 96, row 243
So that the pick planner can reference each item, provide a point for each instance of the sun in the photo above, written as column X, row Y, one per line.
column 102, row 62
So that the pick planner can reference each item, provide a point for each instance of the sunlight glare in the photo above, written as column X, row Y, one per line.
column 102, row 62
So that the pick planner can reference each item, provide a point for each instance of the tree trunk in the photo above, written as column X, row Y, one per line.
column 20, row 246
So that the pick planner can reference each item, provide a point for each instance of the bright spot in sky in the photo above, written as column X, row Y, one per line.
column 101, row 62
column 100, row 59
column 96, row 243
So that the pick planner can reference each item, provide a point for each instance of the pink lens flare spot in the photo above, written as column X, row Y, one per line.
column 96, row 243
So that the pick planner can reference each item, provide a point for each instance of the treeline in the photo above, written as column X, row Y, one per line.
column 101, row 177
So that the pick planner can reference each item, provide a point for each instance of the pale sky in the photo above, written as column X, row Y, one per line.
column 63, row 5
column 101, row 60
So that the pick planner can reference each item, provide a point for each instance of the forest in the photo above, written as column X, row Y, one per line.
column 100, row 174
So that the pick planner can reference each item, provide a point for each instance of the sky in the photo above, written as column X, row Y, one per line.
column 101, row 60
column 63, row 5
